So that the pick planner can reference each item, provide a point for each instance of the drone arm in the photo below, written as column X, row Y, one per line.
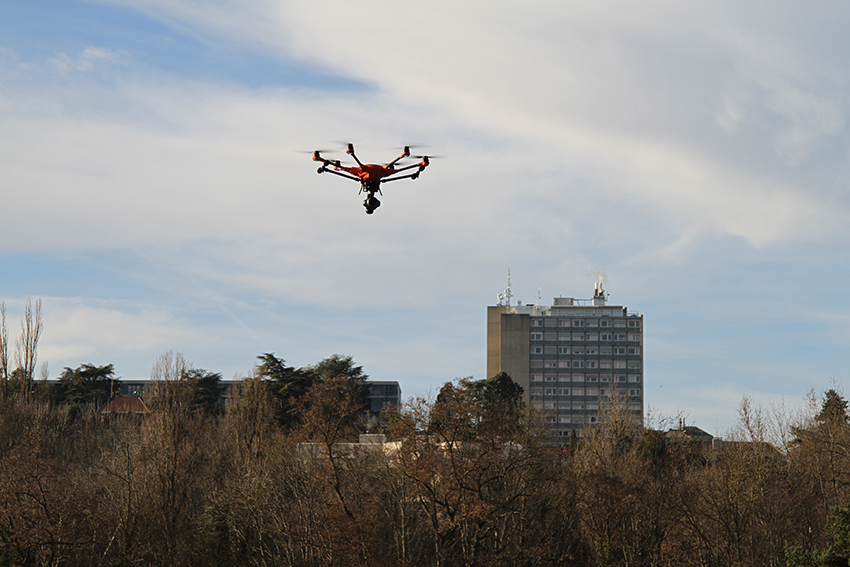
column 350, row 151
column 324, row 169
column 409, row 176
column 404, row 154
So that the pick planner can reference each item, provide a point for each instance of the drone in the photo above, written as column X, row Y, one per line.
column 372, row 175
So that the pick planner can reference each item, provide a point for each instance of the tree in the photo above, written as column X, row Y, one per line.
column 824, row 444
column 833, row 410
column 27, row 346
column 287, row 385
column 838, row 553
column 206, row 390
column 336, row 366
column 501, row 400
column 87, row 384
column 4, row 352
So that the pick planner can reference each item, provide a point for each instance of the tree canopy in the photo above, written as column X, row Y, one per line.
column 84, row 385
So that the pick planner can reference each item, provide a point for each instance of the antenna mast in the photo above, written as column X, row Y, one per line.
column 506, row 295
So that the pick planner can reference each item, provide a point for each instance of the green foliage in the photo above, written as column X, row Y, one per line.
column 288, row 385
column 833, row 410
column 837, row 554
column 336, row 366
column 206, row 390
column 499, row 391
column 85, row 385
column 216, row 536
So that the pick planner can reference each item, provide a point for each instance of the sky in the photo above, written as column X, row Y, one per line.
column 156, row 193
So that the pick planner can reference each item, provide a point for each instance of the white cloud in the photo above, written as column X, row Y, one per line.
column 87, row 60
column 76, row 329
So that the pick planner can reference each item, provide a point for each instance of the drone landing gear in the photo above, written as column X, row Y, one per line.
column 371, row 203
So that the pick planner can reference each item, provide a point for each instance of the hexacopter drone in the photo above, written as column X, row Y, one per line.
column 371, row 175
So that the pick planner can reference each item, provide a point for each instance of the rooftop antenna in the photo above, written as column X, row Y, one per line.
column 506, row 295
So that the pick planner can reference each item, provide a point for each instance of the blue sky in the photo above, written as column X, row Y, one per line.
column 693, row 157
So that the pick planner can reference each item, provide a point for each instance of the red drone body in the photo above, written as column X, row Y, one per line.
column 371, row 175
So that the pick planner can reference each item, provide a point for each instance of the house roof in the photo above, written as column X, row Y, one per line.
column 129, row 404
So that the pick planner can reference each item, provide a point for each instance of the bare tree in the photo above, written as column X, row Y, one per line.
column 4, row 351
column 27, row 346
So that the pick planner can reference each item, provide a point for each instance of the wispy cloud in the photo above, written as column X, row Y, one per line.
column 88, row 59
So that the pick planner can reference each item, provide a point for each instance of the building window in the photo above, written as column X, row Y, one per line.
column 564, row 364
column 590, row 364
column 578, row 364
column 592, row 323
column 619, row 323
column 619, row 350
column 592, row 378
column 578, row 377
column 634, row 324
column 604, row 323
column 564, row 337
column 551, row 378
column 563, row 350
column 591, row 350
column 578, row 350
column 621, row 378
column 634, row 336
column 536, row 336
column 592, row 391
column 537, row 350
column 605, row 336
column 564, row 323
column 550, row 364
column 605, row 378
column 619, row 364
column 593, row 336
column 548, row 405
column 565, row 391
column 620, row 336
column 563, row 377
column 578, row 323
column 604, row 364
column 550, row 336
column 536, row 377
column 634, row 393
column 537, row 322
column 577, row 392
column 634, row 378
column 550, row 392
column 634, row 350
column 578, row 336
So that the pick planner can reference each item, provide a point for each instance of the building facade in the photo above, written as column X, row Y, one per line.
column 382, row 394
column 571, row 358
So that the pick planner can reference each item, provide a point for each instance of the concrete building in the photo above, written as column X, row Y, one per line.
column 382, row 394
column 570, row 357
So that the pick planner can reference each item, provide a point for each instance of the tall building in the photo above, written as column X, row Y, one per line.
column 570, row 357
